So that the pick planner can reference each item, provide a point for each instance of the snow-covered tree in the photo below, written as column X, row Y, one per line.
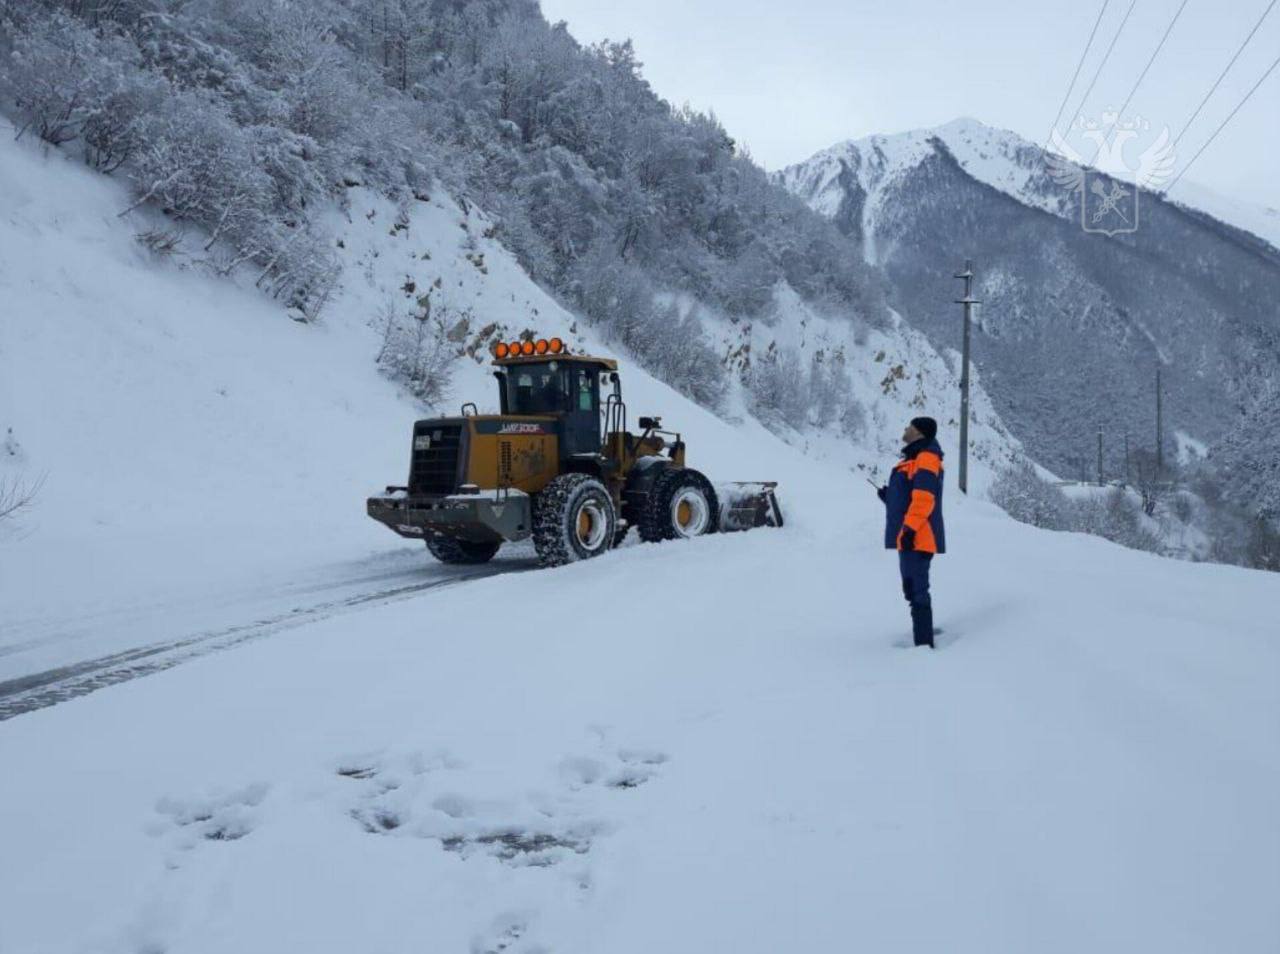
column 1026, row 496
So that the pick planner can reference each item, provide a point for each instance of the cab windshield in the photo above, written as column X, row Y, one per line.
column 550, row 388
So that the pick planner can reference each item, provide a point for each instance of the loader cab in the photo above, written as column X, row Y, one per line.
column 566, row 386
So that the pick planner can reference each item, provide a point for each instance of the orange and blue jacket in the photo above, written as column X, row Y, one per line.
column 914, row 498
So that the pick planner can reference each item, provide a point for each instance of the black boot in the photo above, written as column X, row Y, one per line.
column 922, row 623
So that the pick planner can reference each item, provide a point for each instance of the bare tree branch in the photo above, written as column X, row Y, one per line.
column 17, row 495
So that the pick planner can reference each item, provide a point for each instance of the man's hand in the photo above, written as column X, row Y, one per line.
column 906, row 539
column 881, row 492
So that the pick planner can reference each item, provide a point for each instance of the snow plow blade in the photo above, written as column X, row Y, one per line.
column 748, row 504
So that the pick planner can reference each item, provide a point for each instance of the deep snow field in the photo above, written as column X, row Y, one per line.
column 711, row 746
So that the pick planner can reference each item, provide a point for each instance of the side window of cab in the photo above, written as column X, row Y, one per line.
column 586, row 390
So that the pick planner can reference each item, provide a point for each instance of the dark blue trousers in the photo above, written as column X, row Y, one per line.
column 914, row 567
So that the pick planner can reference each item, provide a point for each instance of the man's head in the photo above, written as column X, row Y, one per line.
column 920, row 428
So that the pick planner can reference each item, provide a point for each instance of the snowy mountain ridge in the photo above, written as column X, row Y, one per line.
column 997, row 157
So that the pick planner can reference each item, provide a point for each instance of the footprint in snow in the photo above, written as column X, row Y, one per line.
column 629, row 768
column 222, row 817
column 417, row 796
column 505, row 931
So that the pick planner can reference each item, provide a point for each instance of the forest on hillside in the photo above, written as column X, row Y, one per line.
column 243, row 118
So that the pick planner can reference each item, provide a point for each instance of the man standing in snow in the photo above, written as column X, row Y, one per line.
column 913, row 519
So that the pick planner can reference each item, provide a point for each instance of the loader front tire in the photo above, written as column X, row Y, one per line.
column 681, row 504
column 573, row 519
column 451, row 550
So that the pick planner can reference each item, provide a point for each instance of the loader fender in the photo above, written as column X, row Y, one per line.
column 639, row 485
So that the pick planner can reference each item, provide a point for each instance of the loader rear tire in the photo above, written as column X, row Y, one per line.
column 573, row 519
column 681, row 504
column 453, row 550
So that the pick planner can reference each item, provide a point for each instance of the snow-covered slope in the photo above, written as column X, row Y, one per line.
column 689, row 747
column 193, row 439
column 1261, row 220
column 894, row 374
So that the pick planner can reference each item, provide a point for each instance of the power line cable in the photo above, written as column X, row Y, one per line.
column 1143, row 75
column 1223, row 124
column 1223, row 74
column 1106, row 56
column 1076, row 75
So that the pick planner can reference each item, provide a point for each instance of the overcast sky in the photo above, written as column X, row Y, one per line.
column 790, row 78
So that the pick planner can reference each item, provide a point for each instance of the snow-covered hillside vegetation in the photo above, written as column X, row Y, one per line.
column 684, row 747
column 246, row 119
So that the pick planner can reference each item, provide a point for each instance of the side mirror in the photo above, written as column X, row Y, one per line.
column 650, row 423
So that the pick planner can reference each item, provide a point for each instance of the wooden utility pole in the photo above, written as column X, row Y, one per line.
column 1081, row 462
column 1159, row 425
column 968, row 301
column 1100, row 481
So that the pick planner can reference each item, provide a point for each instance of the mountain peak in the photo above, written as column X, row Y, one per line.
column 996, row 157
column 999, row 158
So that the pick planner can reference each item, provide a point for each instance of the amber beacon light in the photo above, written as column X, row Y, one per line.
column 516, row 349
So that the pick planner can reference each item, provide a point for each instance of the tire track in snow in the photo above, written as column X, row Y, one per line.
column 43, row 689
column 46, row 632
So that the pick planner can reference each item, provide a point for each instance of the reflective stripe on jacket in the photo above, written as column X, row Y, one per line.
column 914, row 499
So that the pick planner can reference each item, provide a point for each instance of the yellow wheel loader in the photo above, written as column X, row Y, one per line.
column 558, row 465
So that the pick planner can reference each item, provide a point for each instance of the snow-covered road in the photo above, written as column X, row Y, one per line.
column 696, row 747
column 230, row 618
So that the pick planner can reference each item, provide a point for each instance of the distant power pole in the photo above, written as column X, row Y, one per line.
column 1128, row 475
column 1100, row 481
column 968, row 301
column 1081, row 462
column 1159, row 425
